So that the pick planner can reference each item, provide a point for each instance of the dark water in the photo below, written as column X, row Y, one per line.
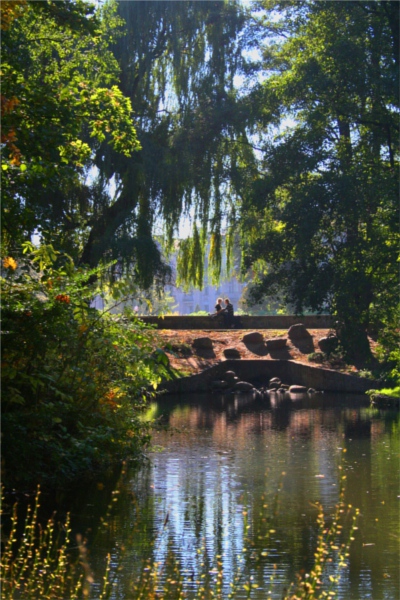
column 237, row 482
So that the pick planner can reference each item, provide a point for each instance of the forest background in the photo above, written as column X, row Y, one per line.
column 272, row 126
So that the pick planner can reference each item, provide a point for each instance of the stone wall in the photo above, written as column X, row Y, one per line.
column 246, row 322
column 259, row 372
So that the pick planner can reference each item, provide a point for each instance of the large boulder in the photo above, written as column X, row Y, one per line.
column 276, row 343
column 204, row 343
column 243, row 386
column 230, row 376
column 254, row 337
column 328, row 344
column 298, row 332
column 232, row 353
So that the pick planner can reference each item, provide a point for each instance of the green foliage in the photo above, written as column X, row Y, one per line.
column 63, row 113
column 388, row 349
column 392, row 392
column 60, row 99
column 317, row 357
column 151, row 302
column 74, row 381
column 269, row 304
column 315, row 197
column 179, row 69
column 190, row 263
column 323, row 215
column 365, row 373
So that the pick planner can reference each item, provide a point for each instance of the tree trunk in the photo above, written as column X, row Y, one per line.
column 353, row 338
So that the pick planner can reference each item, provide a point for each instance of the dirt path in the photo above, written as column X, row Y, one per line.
column 189, row 360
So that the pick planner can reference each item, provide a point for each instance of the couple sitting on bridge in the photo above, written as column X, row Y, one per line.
column 226, row 313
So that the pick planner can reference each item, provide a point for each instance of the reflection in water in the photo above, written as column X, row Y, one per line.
column 241, row 479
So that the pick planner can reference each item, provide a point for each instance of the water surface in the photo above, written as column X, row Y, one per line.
column 240, row 479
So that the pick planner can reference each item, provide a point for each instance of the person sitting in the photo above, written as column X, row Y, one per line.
column 228, row 314
column 218, row 308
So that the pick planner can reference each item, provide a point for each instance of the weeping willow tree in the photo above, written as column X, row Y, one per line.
column 180, row 66
column 69, row 87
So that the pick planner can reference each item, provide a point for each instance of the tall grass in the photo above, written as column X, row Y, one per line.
column 47, row 563
column 42, row 562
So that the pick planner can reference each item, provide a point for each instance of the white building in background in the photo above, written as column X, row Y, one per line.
column 195, row 300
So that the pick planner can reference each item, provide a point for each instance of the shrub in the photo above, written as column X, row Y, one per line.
column 74, row 380
column 365, row 373
column 388, row 352
column 318, row 357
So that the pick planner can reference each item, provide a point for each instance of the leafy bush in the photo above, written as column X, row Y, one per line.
column 317, row 357
column 391, row 392
column 365, row 373
column 388, row 352
column 74, row 380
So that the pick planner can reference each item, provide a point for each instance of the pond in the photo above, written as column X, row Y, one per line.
column 231, row 493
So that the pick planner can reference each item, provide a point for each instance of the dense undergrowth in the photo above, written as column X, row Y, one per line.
column 74, row 380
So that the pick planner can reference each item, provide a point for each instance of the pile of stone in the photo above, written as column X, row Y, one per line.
column 275, row 386
column 231, row 383
column 255, row 341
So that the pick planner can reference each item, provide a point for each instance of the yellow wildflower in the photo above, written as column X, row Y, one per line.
column 9, row 263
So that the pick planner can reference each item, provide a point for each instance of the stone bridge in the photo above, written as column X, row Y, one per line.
column 258, row 372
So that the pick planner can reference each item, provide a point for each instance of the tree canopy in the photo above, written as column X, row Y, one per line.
column 179, row 68
column 321, row 222
column 60, row 97
column 276, row 122
column 176, row 63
